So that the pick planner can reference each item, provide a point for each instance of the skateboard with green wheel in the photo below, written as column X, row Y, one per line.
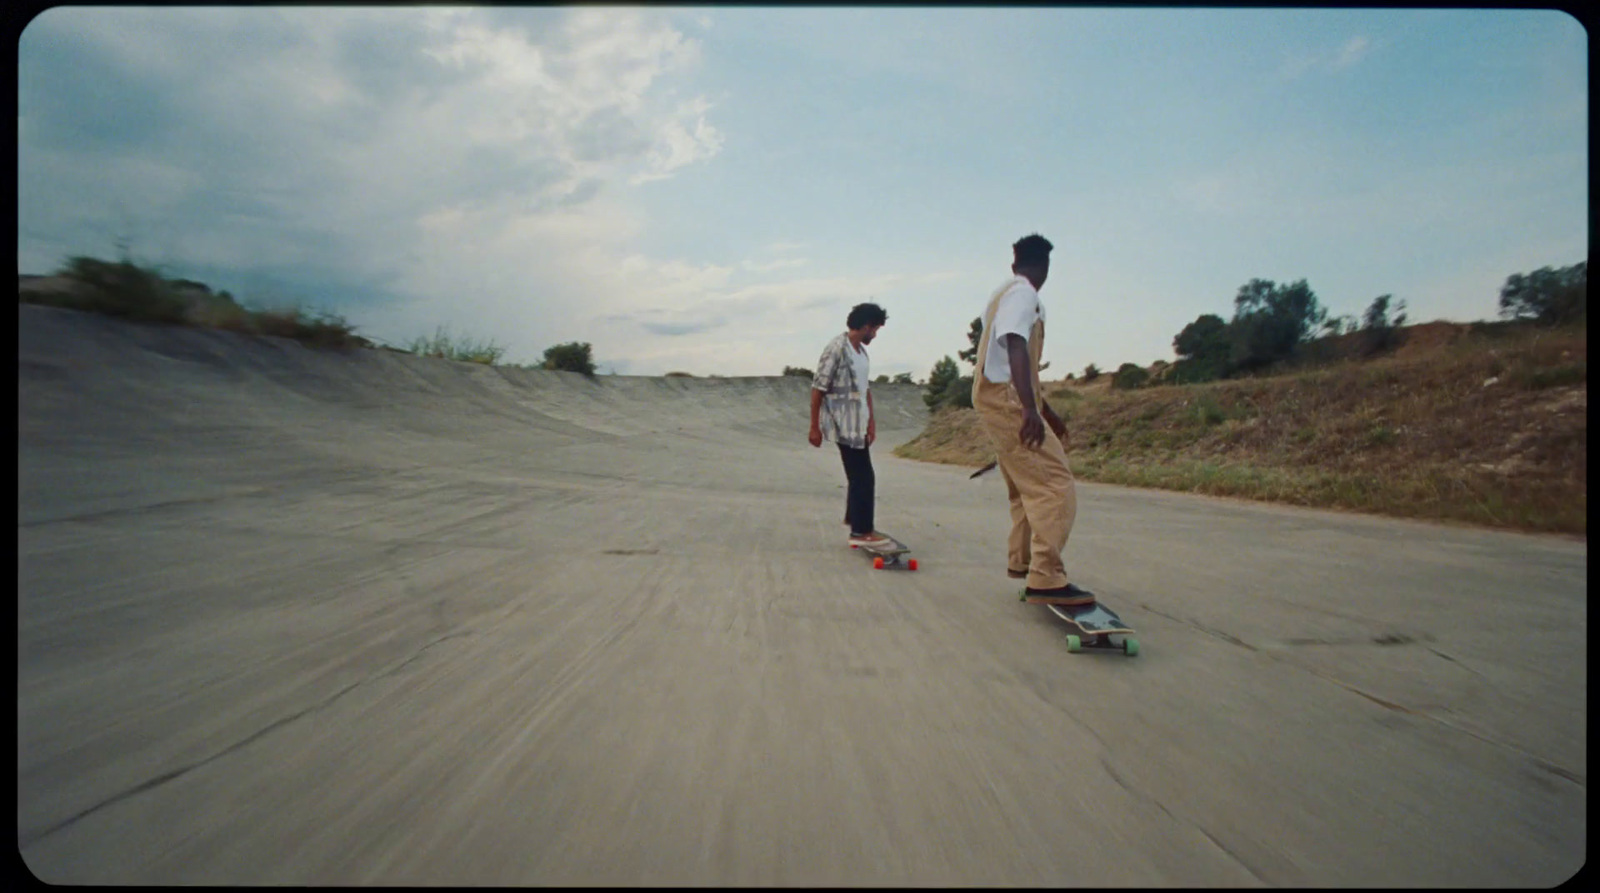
column 1097, row 624
column 888, row 557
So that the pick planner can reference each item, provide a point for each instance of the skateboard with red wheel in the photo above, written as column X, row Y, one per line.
column 889, row 557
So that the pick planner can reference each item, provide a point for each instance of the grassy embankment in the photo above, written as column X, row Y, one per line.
column 130, row 291
column 1486, row 425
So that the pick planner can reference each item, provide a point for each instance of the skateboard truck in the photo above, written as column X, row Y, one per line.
column 1097, row 623
column 889, row 558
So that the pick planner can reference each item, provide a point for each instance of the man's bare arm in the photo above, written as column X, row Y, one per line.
column 872, row 421
column 1032, row 432
column 815, row 435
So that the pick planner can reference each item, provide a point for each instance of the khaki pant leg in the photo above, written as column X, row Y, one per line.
column 1019, row 549
column 1043, row 483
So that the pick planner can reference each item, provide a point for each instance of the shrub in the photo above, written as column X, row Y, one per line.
column 316, row 330
column 798, row 372
column 1129, row 376
column 445, row 346
column 122, row 289
column 574, row 356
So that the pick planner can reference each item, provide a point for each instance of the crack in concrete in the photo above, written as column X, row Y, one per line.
column 1141, row 795
column 1541, row 763
column 1216, row 633
column 1553, row 769
column 163, row 778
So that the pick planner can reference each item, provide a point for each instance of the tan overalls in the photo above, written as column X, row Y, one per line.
column 1044, row 500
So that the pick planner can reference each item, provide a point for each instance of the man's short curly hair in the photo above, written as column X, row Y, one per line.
column 1034, row 249
column 866, row 315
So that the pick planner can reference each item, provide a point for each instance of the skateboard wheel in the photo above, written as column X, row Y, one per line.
column 878, row 562
column 1130, row 647
column 1074, row 644
column 911, row 564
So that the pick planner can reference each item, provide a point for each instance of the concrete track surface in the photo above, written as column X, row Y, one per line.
column 296, row 617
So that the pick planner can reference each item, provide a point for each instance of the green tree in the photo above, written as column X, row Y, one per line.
column 1381, row 333
column 1091, row 372
column 798, row 372
column 974, row 335
column 903, row 378
column 947, row 386
column 570, row 357
column 1271, row 321
column 1202, row 348
column 1547, row 295
column 1334, row 326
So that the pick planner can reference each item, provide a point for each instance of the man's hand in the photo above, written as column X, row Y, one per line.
column 872, row 432
column 816, row 436
column 1032, row 433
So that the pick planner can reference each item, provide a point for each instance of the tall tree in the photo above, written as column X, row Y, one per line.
column 1547, row 295
column 1202, row 348
column 974, row 335
column 944, row 378
column 1271, row 321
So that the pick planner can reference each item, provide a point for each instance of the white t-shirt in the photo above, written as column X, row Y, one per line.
column 858, row 359
column 1019, row 308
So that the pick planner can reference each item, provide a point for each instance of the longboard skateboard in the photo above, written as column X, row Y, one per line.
column 1097, row 623
column 889, row 557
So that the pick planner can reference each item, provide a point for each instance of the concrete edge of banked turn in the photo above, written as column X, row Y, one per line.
column 92, row 369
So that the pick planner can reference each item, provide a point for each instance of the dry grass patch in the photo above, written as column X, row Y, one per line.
column 127, row 290
column 1489, row 427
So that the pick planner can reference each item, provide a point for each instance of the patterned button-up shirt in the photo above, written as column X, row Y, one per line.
column 844, row 412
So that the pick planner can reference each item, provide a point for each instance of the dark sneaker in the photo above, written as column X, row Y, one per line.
column 1069, row 594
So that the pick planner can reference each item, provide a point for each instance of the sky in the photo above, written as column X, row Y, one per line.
column 710, row 190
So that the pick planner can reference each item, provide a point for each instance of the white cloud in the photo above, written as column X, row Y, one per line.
column 677, row 146
column 469, row 164
column 782, row 263
column 1352, row 52
column 1297, row 64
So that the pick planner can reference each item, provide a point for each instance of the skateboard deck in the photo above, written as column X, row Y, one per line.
column 1098, row 624
column 888, row 557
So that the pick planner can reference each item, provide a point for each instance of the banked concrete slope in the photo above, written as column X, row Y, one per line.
column 88, row 382
column 196, row 407
column 293, row 617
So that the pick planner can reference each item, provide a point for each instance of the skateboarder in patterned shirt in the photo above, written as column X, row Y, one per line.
column 841, row 411
column 1031, row 456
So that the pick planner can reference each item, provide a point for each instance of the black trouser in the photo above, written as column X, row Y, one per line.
column 859, row 497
